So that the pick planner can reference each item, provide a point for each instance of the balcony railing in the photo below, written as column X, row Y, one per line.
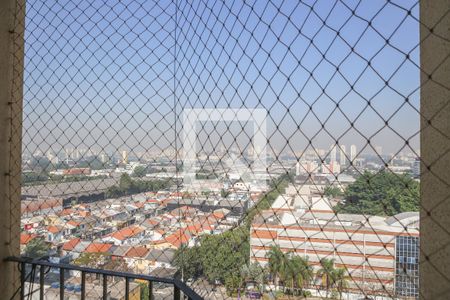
column 34, row 272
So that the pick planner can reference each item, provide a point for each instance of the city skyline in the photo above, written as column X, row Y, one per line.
column 137, row 109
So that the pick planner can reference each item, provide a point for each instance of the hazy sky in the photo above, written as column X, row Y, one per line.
column 116, row 75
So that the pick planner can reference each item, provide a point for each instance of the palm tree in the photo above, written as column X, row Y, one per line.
column 326, row 273
column 306, row 271
column 289, row 274
column 340, row 280
column 300, row 272
column 277, row 264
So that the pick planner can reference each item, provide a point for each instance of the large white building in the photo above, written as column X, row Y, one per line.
column 374, row 250
column 333, row 154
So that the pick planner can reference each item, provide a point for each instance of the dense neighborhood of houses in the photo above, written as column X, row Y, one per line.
column 144, row 229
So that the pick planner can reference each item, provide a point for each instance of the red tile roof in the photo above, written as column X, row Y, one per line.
column 139, row 204
column 137, row 251
column 68, row 246
column 74, row 223
column 178, row 238
column 127, row 232
column 66, row 212
column 197, row 228
column 98, row 247
column 218, row 215
column 25, row 238
column 53, row 229
column 84, row 213
column 35, row 205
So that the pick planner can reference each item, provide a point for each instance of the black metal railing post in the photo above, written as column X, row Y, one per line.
column 61, row 283
column 178, row 285
column 105, row 287
column 150, row 290
column 176, row 293
column 127, row 288
column 41, row 282
column 83, row 285
column 22, row 280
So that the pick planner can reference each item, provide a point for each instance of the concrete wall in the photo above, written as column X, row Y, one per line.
column 11, row 91
column 435, row 149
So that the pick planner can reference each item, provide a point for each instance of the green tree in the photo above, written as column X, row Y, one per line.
column 116, row 264
column 299, row 272
column 125, row 182
column 332, row 191
column 128, row 186
column 223, row 255
column 232, row 283
column 139, row 171
column 224, row 193
column 113, row 192
column 144, row 290
column 41, row 163
column 92, row 162
column 217, row 258
column 34, row 177
column 277, row 264
column 188, row 261
column 92, row 260
column 253, row 272
column 37, row 248
column 326, row 273
column 383, row 193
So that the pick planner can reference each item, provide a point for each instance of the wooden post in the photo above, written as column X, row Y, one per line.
column 12, row 24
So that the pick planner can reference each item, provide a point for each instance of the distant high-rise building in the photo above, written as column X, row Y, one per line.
column 104, row 158
column 68, row 153
column 342, row 156
column 76, row 154
column 320, row 152
column 124, row 157
column 379, row 150
column 52, row 158
column 250, row 151
column 352, row 152
column 333, row 154
column 256, row 152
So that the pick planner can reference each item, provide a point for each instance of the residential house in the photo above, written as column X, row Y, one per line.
column 129, row 235
column 136, row 260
